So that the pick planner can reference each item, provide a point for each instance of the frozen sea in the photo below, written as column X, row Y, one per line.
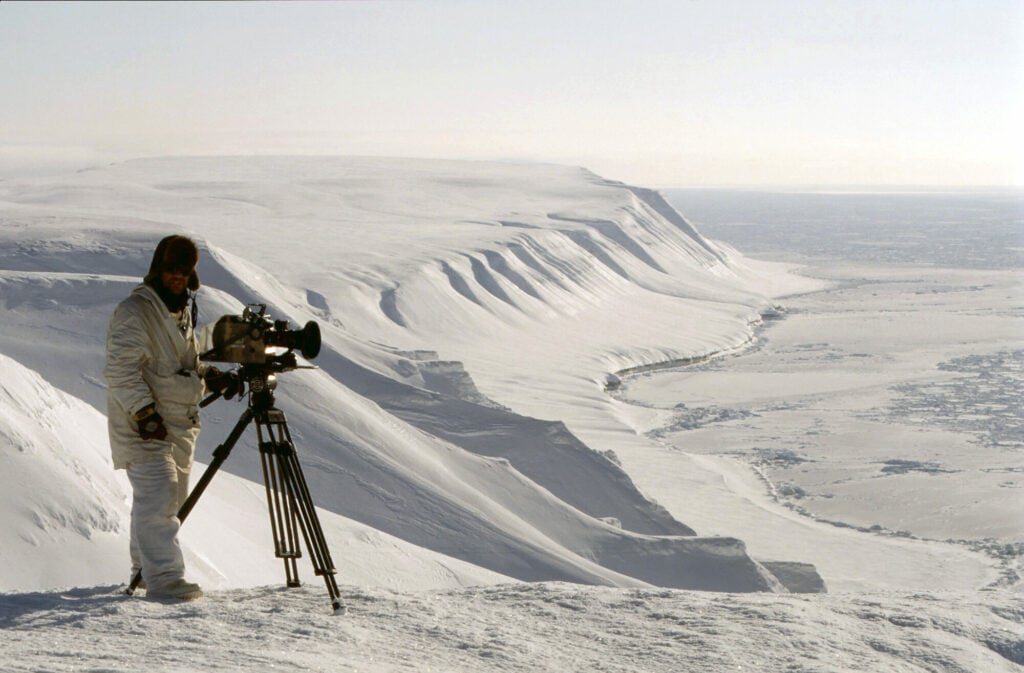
column 981, row 230
column 891, row 401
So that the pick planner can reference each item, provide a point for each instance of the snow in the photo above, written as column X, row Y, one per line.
column 512, row 627
column 490, row 501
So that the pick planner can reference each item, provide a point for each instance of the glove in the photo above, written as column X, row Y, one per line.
column 151, row 425
column 227, row 384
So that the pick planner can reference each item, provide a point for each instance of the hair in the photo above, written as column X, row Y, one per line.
column 174, row 252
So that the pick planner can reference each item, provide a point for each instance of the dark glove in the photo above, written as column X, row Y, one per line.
column 227, row 384
column 151, row 425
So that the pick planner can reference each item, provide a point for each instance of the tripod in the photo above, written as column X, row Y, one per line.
column 289, row 504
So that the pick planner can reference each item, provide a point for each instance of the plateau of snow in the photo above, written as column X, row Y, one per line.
column 491, row 500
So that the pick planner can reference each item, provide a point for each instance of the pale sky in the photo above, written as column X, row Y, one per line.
column 652, row 92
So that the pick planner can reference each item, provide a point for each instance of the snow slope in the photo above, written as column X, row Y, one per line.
column 66, row 519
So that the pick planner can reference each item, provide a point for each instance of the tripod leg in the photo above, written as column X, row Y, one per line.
column 220, row 454
column 282, row 468
column 312, row 531
column 279, row 504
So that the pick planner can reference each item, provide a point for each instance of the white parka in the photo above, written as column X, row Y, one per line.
column 152, row 357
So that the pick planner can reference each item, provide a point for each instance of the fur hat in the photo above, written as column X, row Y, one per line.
column 175, row 252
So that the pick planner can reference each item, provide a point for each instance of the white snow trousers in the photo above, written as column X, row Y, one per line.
column 159, row 489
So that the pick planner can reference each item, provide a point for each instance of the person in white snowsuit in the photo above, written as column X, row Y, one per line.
column 154, row 384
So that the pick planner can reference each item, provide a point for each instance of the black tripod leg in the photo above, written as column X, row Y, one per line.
column 220, row 454
column 312, row 530
column 279, row 505
column 291, row 506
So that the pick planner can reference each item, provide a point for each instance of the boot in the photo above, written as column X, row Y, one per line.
column 179, row 589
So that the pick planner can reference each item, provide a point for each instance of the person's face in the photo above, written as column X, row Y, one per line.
column 175, row 280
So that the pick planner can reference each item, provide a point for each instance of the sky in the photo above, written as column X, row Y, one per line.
column 654, row 92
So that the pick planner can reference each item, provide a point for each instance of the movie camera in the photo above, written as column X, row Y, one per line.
column 251, row 339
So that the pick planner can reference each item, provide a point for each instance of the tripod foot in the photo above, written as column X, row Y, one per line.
column 339, row 608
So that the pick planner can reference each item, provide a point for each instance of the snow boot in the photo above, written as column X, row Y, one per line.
column 179, row 589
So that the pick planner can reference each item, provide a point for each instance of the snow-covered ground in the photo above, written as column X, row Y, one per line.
column 543, row 627
column 505, row 479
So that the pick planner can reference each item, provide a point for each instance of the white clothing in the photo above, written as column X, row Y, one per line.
column 152, row 357
column 159, row 488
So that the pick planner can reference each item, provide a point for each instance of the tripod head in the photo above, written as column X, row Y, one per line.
column 261, row 379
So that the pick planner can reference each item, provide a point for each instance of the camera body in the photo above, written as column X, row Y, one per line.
column 251, row 338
